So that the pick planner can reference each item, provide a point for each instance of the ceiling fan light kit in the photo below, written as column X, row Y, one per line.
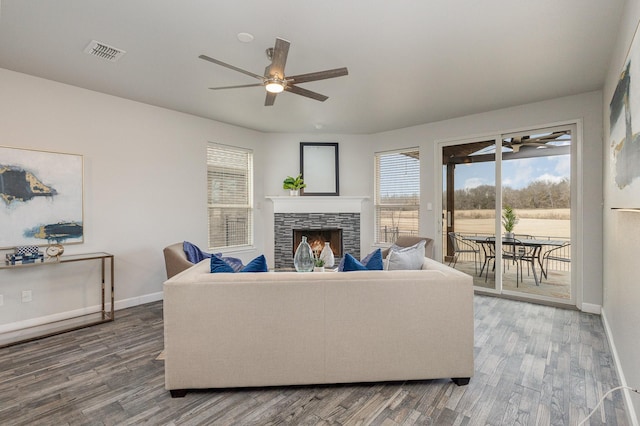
column 275, row 86
column 274, row 79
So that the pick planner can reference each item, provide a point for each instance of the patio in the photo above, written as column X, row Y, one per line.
column 557, row 284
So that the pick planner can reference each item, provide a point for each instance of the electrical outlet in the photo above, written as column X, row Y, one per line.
column 1, row 300
column 26, row 296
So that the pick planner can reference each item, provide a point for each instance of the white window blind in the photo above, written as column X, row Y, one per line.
column 397, row 196
column 230, row 196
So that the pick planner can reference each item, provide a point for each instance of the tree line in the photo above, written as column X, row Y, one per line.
column 538, row 195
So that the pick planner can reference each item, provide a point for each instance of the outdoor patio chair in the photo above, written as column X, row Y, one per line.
column 556, row 254
column 461, row 246
column 518, row 253
column 489, row 249
column 527, row 251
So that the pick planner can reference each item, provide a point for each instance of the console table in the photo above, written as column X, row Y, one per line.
column 107, row 282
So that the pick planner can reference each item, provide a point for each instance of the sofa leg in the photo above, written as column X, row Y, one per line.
column 178, row 393
column 461, row 381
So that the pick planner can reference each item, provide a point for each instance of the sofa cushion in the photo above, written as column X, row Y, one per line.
column 406, row 257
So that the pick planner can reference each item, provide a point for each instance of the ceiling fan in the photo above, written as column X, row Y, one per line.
column 274, row 79
column 541, row 141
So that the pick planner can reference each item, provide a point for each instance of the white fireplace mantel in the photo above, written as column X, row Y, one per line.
column 317, row 204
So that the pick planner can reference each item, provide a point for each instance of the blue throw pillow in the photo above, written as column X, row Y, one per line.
column 259, row 264
column 219, row 265
column 372, row 261
column 229, row 264
column 234, row 262
column 352, row 264
column 194, row 254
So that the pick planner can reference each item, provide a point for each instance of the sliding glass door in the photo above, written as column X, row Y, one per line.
column 514, row 237
column 469, row 202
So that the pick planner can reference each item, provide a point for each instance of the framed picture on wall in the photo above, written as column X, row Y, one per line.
column 41, row 197
column 624, row 138
column 319, row 167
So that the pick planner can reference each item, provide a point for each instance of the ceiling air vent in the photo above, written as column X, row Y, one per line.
column 104, row 51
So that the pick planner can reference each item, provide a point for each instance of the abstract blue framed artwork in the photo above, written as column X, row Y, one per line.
column 40, row 197
column 624, row 118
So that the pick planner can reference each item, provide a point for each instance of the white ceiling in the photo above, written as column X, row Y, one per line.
column 410, row 61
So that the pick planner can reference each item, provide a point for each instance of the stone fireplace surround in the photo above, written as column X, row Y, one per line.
column 315, row 213
column 285, row 223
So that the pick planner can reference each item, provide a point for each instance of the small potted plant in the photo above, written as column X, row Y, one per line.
column 294, row 184
column 318, row 265
column 509, row 220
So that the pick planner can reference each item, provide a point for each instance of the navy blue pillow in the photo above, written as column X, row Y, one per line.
column 372, row 261
column 219, row 265
column 352, row 264
column 259, row 264
column 234, row 262
column 194, row 254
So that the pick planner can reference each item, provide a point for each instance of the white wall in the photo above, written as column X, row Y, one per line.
column 622, row 238
column 282, row 159
column 145, row 186
column 586, row 107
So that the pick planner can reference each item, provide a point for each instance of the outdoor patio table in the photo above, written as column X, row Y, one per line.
column 536, row 244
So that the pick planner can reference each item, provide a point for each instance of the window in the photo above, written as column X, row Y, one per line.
column 397, row 197
column 230, row 196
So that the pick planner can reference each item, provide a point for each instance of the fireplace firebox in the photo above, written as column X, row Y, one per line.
column 318, row 237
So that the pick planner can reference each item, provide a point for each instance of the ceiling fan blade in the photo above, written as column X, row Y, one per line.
column 270, row 99
column 215, row 61
column 320, row 75
column 553, row 137
column 236, row 87
column 308, row 93
column 279, row 59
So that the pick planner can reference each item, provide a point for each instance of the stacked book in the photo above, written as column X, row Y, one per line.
column 24, row 255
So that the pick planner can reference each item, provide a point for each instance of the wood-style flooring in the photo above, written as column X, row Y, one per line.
column 535, row 365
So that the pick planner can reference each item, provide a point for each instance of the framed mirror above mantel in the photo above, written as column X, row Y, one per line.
column 319, row 166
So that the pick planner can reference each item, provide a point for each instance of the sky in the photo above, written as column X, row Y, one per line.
column 515, row 173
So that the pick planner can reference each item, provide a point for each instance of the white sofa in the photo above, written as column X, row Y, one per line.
column 288, row 328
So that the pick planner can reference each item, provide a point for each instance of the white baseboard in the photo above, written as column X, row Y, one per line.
column 139, row 300
column 590, row 308
column 61, row 316
column 627, row 394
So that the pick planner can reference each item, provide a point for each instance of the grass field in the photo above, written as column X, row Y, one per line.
column 538, row 222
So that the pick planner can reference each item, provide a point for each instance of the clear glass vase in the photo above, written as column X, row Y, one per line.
column 327, row 255
column 303, row 259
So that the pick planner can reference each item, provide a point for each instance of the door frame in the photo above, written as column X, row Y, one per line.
column 577, row 210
